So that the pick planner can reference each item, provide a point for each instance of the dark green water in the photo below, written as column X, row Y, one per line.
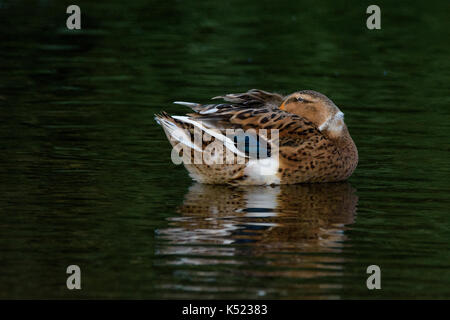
column 86, row 176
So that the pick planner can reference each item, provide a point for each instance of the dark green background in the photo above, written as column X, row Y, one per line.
column 86, row 176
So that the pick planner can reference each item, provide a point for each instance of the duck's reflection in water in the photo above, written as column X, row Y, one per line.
column 289, row 230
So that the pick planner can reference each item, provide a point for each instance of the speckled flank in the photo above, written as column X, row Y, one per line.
column 306, row 153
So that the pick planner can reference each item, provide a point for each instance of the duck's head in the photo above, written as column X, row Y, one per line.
column 318, row 109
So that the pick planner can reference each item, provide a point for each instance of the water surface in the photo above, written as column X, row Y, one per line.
column 86, row 176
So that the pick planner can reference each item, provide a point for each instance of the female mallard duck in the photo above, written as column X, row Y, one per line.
column 308, row 140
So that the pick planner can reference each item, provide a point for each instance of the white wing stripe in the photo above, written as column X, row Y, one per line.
column 226, row 141
column 178, row 134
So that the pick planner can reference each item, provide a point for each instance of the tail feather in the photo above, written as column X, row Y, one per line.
column 176, row 131
column 187, row 104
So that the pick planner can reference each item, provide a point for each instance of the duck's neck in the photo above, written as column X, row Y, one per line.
column 347, row 148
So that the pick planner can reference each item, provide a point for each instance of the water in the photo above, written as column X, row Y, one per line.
column 86, row 176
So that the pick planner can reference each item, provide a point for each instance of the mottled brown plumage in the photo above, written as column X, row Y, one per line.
column 314, row 144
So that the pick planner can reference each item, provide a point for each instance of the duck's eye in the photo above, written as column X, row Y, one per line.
column 300, row 99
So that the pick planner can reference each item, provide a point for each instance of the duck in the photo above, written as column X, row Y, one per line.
column 262, row 138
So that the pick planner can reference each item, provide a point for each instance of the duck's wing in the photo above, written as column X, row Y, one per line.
column 198, row 132
column 298, row 138
column 254, row 98
column 216, row 119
